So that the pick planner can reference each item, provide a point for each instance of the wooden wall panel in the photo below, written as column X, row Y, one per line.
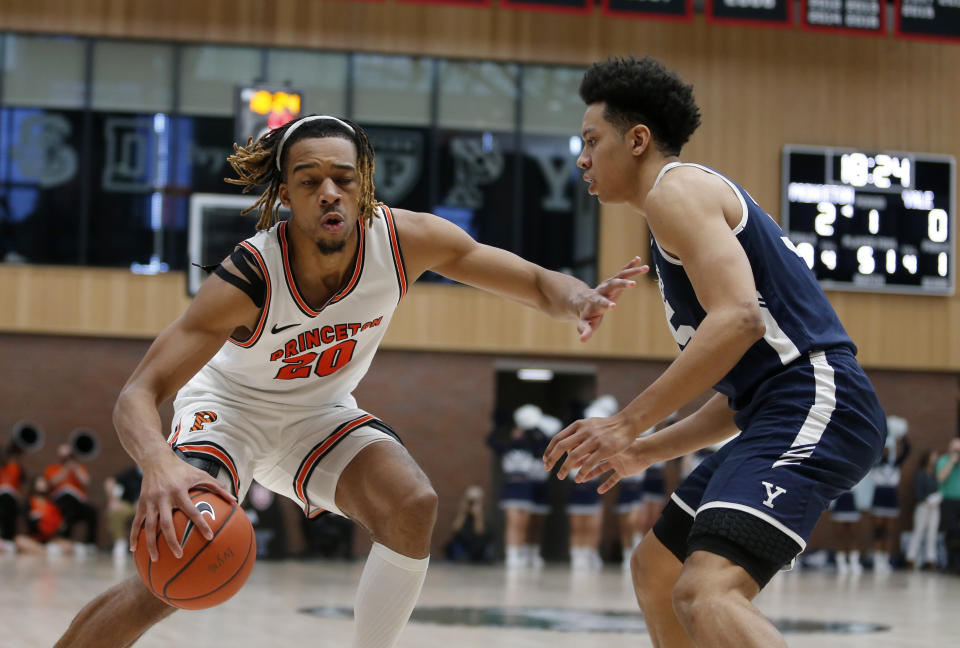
column 759, row 89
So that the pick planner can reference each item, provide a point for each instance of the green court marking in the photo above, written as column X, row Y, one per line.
column 571, row 620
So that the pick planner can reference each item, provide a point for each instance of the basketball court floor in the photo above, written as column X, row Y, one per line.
column 309, row 603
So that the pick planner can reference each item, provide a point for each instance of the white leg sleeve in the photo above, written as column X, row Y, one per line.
column 389, row 588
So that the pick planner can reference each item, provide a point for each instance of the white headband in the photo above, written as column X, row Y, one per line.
column 297, row 124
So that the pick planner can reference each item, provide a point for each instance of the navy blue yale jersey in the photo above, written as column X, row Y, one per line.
column 796, row 313
column 811, row 425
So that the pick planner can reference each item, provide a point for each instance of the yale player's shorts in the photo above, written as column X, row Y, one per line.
column 809, row 433
column 296, row 453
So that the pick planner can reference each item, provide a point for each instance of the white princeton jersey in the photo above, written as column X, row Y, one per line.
column 298, row 356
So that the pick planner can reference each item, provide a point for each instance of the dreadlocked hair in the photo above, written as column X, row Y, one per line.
column 256, row 165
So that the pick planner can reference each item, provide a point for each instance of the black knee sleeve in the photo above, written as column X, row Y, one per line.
column 672, row 529
column 744, row 539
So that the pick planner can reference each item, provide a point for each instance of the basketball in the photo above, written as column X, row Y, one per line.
column 210, row 571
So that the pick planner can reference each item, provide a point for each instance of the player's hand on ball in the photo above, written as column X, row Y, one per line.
column 631, row 461
column 587, row 442
column 166, row 485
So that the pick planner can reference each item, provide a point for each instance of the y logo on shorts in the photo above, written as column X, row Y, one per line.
column 773, row 492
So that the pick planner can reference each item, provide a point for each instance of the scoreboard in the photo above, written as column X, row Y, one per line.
column 872, row 221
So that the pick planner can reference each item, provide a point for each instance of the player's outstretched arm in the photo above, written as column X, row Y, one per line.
column 432, row 243
column 686, row 214
column 175, row 356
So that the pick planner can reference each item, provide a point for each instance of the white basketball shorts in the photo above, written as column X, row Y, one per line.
column 296, row 453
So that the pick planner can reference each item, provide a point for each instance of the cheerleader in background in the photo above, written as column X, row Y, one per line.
column 585, row 512
column 516, row 494
column 654, row 488
column 886, row 481
column 539, row 480
column 846, row 520
column 584, row 508
column 629, row 514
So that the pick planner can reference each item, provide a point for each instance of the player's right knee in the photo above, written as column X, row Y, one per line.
column 654, row 572
column 419, row 507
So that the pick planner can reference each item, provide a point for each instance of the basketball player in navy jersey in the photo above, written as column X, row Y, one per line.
column 753, row 324
column 264, row 361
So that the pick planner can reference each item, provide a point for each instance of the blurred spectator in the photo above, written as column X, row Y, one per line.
column 654, row 485
column 584, row 507
column 846, row 521
column 948, row 476
column 926, row 513
column 540, row 485
column 470, row 541
column 516, row 493
column 11, row 491
column 886, row 481
column 123, row 491
column 629, row 509
column 68, row 481
column 45, row 523
column 585, row 512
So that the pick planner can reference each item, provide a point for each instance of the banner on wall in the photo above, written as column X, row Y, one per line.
column 759, row 13
column 847, row 16
column 930, row 19
column 568, row 6
column 659, row 9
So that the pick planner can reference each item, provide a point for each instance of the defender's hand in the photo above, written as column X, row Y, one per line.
column 165, row 488
column 587, row 442
column 631, row 461
column 604, row 297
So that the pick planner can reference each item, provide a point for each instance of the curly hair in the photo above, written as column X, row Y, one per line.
column 643, row 91
column 256, row 163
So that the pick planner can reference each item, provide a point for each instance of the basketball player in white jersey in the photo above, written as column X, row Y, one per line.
column 265, row 359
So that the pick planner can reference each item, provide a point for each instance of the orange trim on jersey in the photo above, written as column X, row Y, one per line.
column 224, row 458
column 173, row 439
column 316, row 455
column 249, row 342
column 292, row 284
column 397, row 254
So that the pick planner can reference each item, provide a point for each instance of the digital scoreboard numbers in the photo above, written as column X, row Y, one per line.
column 872, row 221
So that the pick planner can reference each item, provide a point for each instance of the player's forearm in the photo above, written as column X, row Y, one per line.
column 712, row 423
column 560, row 296
column 719, row 343
column 138, row 425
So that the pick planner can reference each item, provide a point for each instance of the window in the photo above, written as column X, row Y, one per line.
column 321, row 77
column 551, row 101
column 40, row 186
column 392, row 90
column 44, row 71
column 210, row 76
column 132, row 77
column 478, row 96
column 103, row 175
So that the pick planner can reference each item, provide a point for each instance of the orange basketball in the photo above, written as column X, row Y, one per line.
column 209, row 572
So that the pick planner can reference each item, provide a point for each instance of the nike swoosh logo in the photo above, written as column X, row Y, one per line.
column 276, row 329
